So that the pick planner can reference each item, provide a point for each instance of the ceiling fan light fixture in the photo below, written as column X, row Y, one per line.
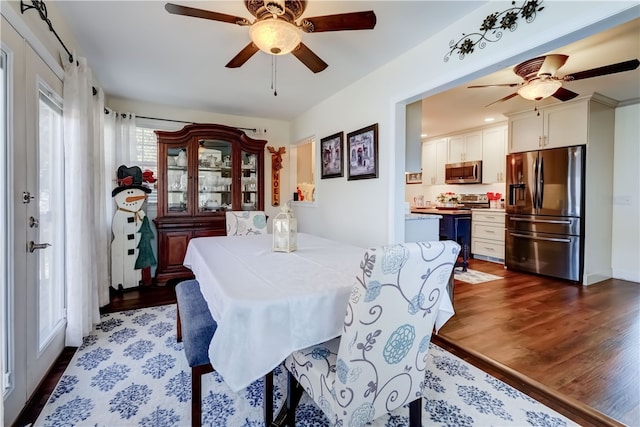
column 536, row 90
column 275, row 36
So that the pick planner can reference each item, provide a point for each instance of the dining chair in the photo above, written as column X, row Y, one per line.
column 242, row 223
column 378, row 364
column 196, row 328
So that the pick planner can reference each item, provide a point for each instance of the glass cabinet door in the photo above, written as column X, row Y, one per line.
column 249, row 181
column 214, row 176
column 177, row 179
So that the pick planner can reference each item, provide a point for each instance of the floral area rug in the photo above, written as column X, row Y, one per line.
column 131, row 372
column 473, row 276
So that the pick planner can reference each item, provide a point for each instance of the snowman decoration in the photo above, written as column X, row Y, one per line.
column 128, row 222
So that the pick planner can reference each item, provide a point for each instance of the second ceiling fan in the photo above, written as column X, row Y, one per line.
column 275, row 30
column 540, row 80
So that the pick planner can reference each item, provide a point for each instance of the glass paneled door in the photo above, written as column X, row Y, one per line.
column 33, row 221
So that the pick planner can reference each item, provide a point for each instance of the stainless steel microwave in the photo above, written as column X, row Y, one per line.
column 463, row 173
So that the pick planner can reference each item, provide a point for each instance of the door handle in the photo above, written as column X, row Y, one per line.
column 33, row 246
column 546, row 239
column 542, row 221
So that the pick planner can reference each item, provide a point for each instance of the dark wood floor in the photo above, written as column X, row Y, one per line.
column 574, row 348
column 581, row 343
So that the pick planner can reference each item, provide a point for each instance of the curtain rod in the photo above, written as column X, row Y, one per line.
column 42, row 11
column 176, row 121
column 182, row 121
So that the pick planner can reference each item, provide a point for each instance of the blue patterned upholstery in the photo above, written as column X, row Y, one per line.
column 378, row 364
column 242, row 223
column 197, row 324
column 196, row 327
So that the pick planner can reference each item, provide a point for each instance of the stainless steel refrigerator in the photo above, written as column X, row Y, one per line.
column 545, row 208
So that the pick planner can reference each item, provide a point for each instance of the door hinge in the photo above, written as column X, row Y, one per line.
column 8, row 380
column 27, row 197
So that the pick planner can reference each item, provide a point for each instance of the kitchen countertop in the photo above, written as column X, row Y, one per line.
column 435, row 211
column 421, row 216
column 490, row 210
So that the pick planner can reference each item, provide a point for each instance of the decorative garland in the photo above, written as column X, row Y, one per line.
column 492, row 27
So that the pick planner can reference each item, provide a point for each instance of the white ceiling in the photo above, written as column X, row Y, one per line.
column 139, row 51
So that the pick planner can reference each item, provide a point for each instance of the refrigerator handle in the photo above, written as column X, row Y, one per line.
column 546, row 239
column 541, row 197
column 535, row 183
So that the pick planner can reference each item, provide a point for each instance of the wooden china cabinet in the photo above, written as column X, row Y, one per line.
column 203, row 171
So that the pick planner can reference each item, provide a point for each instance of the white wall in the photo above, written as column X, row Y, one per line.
column 626, row 195
column 370, row 212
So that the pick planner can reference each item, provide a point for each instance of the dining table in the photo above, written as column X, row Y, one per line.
column 268, row 304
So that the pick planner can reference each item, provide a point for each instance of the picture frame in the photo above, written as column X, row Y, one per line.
column 331, row 153
column 413, row 177
column 362, row 149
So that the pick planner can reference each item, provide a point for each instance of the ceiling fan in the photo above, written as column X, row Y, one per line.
column 275, row 30
column 540, row 80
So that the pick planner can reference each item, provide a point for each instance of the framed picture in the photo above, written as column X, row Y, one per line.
column 413, row 177
column 362, row 147
column 331, row 149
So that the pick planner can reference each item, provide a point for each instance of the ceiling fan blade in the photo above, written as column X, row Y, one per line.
column 177, row 9
column 496, row 85
column 551, row 64
column 308, row 58
column 503, row 99
column 340, row 22
column 243, row 56
column 602, row 71
column 564, row 94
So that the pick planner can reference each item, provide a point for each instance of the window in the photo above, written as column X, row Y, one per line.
column 51, row 277
column 147, row 147
column 147, row 155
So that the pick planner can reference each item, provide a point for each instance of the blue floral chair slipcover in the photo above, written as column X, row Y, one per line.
column 378, row 364
column 242, row 223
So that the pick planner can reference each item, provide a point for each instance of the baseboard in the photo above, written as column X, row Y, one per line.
column 622, row 274
column 595, row 277
column 488, row 258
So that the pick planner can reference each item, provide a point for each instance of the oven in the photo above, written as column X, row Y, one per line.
column 474, row 201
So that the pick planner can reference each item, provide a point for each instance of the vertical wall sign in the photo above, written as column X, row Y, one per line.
column 276, row 165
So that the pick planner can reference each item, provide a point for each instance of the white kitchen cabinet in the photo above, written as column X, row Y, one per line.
column 559, row 125
column 494, row 152
column 434, row 157
column 465, row 147
column 487, row 234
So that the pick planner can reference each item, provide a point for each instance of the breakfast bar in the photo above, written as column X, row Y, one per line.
column 455, row 225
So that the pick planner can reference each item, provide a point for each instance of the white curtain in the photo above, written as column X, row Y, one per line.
column 120, row 149
column 120, row 141
column 86, row 257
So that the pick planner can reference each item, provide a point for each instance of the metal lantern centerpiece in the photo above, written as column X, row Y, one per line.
column 285, row 230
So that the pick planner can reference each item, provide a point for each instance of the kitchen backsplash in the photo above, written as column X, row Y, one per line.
column 430, row 192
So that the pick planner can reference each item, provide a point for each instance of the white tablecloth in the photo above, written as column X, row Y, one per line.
column 269, row 304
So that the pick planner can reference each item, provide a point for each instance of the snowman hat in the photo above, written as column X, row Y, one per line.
column 129, row 177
